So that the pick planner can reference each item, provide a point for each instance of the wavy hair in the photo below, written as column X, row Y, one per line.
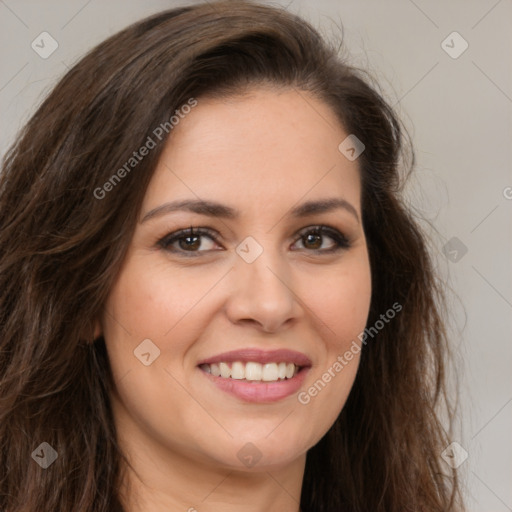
column 61, row 249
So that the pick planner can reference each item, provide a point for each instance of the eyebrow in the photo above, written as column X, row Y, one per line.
column 214, row 209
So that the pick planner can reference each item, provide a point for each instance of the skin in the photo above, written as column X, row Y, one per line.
column 261, row 153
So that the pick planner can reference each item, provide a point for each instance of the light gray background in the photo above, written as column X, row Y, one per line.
column 458, row 112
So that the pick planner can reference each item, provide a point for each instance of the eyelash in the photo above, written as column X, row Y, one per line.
column 341, row 241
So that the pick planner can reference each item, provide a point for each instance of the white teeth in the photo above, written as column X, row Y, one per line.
column 270, row 372
column 252, row 371
column 238, row 371
column 225, row 370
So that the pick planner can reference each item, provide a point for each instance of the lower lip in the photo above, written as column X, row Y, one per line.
column 259, row 391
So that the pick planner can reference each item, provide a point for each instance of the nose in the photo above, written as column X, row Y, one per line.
column 262, row 294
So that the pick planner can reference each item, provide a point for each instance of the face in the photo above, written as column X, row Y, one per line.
column 262, row 281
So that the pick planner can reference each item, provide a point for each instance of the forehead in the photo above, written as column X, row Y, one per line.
column 263, row 147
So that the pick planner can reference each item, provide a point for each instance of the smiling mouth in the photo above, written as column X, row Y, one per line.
column 252, row 371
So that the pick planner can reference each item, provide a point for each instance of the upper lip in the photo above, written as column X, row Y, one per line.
column 259, row 356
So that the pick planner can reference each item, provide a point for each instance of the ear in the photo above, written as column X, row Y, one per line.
column 98, row 331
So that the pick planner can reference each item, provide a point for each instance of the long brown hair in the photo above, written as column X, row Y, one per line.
column 62, row 245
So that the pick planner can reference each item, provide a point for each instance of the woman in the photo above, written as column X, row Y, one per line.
column 211, row 295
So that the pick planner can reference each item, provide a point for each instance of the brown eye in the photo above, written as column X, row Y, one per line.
column 188, row 241
column 313, row 239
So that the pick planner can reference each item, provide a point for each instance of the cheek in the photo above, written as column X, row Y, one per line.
column 341, row 308
column 342, row 303
column 153, row 301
